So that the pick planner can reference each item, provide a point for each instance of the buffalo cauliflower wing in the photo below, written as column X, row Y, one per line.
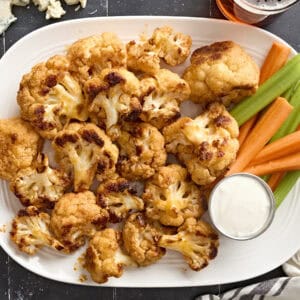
column 142, row 150
column 171, row 197
column 114, row 96
column 221, row 72
column 118, row 197
column 196, row 241
column 90, row 55
column 104, row 257
column 39, row 185
column 207, row 145
column 30, row 231
column 84, row 150
column 172, row 47
column 49, row 97
column 19, row 146
column 75, row 217
column 140, row 236
column 161, row 96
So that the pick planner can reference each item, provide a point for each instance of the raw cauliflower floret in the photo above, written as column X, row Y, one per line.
column 114, row 96
column 221, row 72
column 84, row 150
column 140, row 236
column 30, row 231
column 49, row 97
column 142, row 150
column 161, row 96
column 207, row 145
column 104, row 257
column 90, row 55
column 171, row 197
column 196, row 241
column 76, row 217
column 172, row 47
column 39, row 185
column 118, row 197
column 19, row 146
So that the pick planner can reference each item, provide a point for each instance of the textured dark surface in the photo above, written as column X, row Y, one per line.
column 16, row 283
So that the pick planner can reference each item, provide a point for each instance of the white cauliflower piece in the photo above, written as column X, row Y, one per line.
column 54, row 10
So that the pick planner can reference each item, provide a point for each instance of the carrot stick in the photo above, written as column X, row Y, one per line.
column 282, row 147
column 245, row 129
column 287, row 163
column 275, row 179
column 268, row 124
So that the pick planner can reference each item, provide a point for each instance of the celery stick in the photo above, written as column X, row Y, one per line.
column 285, row 186
column 280, row 82
column 265, row 177
column 289, row 93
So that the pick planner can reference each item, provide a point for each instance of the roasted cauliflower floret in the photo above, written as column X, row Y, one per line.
column 161, row 97
column 75, row 217
column 140, row 236
column 196, row 241
column 104, row 257
column 142, row 150
column 171, row 197
column 90, row 55
column 221, row 72
column 172, row 47
column 30, row 231
column 207, row 145
column 114, row 96
column 39, row 185
column 49, row 97
column 118, row 197
column 84, row 150
column 142, row 56
column 19, row 146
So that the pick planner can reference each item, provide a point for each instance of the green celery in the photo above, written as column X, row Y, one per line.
column 285, row 186
column 265, row 177
column 289, row 93
column 275, row 86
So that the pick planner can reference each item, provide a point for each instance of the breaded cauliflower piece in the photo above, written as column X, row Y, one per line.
column 196, row 241
column 19, row 146
column 90, row 55
column 142, row 150
column 49, row 97
column 30, row 231
column 142, row 56
column 40, row 185
column 207, row 145
column 171, row 197
column 84, row 150
column 104, row 257
column 118, row 197
column 221, row 72
column 75, row 217
column 114, row 96
column 140, row 236
column 172, row 47
column 161, row 96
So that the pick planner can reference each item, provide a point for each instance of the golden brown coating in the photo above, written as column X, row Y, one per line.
column 221, row 72
column 76, row 217
column 142, row 150
column 104, row 257
column 196, row 241
column 140, row 236
column 40, row 185
column 161, row 96
column 19, row 146
column 84, row 150
column 49, row 97
column 207, row 145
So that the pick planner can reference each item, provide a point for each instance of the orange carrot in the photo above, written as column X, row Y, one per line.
column 265, row 128
column 286, row 163
column 245, row 129
column 275, row 179
column 282, row 147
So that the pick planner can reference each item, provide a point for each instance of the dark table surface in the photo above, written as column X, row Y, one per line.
column 16, row 283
